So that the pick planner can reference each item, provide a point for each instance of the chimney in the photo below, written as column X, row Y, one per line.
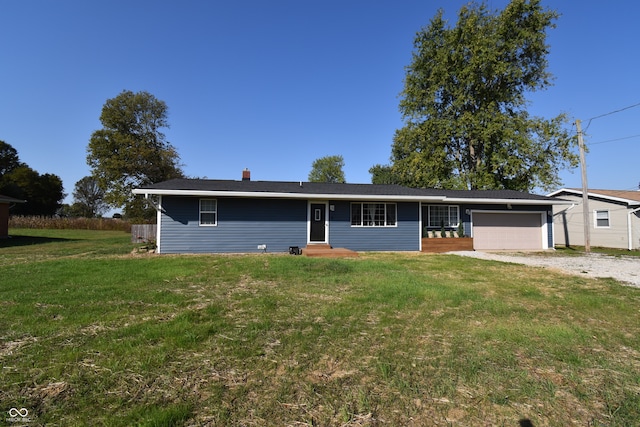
column 246, row 175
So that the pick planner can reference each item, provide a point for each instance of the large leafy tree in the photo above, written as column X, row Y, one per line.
column 131, row 150
column 465, row 109
column 9, row 159
column 327, row 169
column 383, row 174
column 88, row 198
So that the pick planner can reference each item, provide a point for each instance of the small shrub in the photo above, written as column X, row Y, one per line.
column 460, row 229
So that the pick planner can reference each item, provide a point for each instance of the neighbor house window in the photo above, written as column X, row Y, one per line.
column 373, row 214
column 443, row 215
column 602, row 219
column 208, row 212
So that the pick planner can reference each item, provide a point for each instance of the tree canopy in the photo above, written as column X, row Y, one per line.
column 382, row 174
column 327, row 169
column 465, row 109
column 130, row 150
column 9, row 159
column 43, row 193
column 88, row 198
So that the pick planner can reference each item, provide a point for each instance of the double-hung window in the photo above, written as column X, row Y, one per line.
column 208, row 212
column 373, row 214
column 443, row 216
column 602, row 219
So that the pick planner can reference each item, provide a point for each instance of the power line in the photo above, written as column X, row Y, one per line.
column 610, row 113
column 614, row 140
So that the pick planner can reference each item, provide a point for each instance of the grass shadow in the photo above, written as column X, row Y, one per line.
column 16, row 241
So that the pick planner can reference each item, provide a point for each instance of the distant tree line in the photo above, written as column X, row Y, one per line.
column 43, row 193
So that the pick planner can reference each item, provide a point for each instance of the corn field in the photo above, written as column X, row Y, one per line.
column 42, row 222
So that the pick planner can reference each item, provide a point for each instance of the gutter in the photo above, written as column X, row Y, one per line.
column 629, row 227
column 329, row 196
column 270, row 195
column 470, row 200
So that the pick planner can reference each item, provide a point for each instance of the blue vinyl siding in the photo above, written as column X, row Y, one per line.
column 242, row 225
column 245, row 223
column 403, row 237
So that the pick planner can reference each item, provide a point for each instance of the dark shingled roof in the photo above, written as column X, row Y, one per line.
column 283, row 187
column 337, row 189
column 489, row 194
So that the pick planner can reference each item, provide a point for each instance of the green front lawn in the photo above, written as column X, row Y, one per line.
column 91, row 334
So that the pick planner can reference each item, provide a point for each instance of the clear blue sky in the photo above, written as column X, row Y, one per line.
column 273, row 85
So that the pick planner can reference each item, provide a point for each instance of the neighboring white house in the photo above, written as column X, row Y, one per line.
column 614, row 218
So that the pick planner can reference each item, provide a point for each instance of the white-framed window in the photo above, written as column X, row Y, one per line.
column 443, row 215
column 208, row 212
column 373, row 214
column 601, row 219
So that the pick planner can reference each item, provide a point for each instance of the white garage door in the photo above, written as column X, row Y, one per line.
column 507, row 231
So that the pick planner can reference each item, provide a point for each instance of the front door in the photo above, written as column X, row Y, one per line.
column 317, row 233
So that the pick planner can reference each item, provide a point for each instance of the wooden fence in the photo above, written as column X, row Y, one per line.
column 143, row 233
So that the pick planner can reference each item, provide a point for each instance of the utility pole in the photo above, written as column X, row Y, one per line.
column 585, row 191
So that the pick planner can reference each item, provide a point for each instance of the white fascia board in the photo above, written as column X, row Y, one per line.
column 507, row 201
column 629, row 202
column 563, row 190
column 268, row 195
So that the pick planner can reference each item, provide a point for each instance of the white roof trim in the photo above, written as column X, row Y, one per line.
column 592, row 194
column 507, row 201
column 269, row 195
column 378, row 197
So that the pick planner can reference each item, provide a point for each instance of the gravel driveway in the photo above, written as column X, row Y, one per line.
column 623, row 269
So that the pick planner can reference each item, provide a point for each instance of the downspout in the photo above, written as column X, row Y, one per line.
column 553, row 231
column 152, row 202
column 573, row 205
column 629, row 227
column 158, row 208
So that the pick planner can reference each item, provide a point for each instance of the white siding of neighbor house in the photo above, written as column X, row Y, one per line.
column 569, row 224
column 635, row 230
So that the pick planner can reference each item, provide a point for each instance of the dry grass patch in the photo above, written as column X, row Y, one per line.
column 385, row 339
